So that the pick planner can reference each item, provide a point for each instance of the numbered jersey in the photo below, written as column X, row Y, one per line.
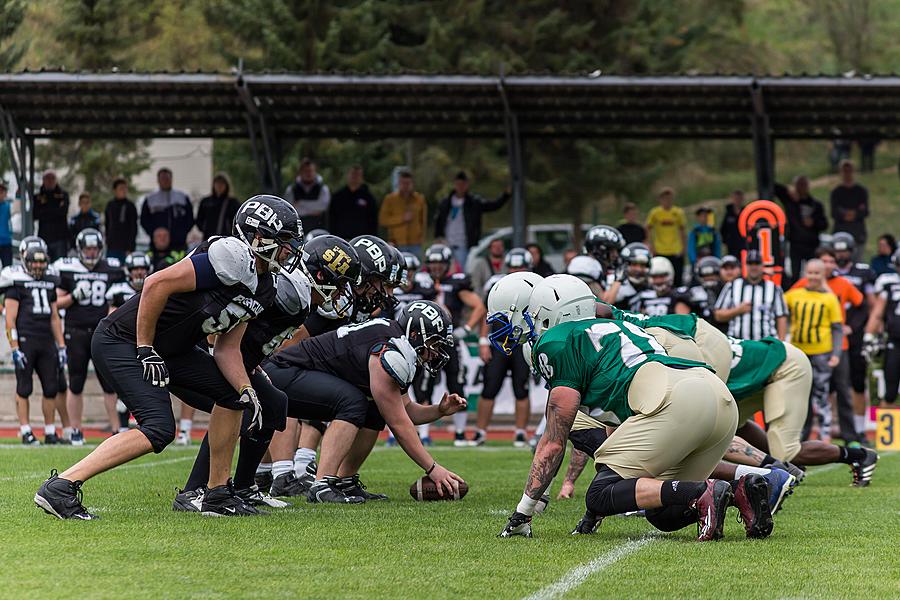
column 699, row 299
column 863, row 278
column 90, row 287
column 119, row 293
column 266, row 333
column 599, row 358
column 752, row 364
column 681, row 325
column 652, row 304
column 627, row 292
column 189, row 317
column 887, row 286
column 35, row 298
column 344, row 352
column 448, row 290
column 422, row 289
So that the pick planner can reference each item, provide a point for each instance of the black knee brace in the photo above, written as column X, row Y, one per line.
column 610, row 494
column 671, row 518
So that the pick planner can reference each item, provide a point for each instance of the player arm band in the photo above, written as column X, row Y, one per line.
column 483, row 341
column 12, row 334
column 431, row 468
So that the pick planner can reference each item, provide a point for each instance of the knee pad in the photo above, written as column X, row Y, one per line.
column 520, row 389
column 610, row 494
column 671, row 518
column 24, row 385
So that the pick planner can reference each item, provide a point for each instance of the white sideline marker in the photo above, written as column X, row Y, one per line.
column 579, row 574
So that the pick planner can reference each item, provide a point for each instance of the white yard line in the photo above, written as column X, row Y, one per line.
column 579, row 574
column 143, row 465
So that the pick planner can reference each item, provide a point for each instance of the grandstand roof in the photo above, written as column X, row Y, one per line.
column 142, row 105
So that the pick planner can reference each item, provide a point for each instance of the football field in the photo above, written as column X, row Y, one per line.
column 830, row 541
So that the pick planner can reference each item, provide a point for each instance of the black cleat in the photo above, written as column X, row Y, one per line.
column 62, row 499
column 326, row 490
column 263, row 480
column 29, row 439
column 791, row 468
column 588, row 524
column 221, row 501
column 862, row 471
column 256, row 497
column 290, row 485
column 711, row 507
column 51, row 439
column 189, row 500
column 352, row 486
column 312, row 468
column 752, row 500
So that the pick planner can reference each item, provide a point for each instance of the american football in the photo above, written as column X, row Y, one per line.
column 424, row 489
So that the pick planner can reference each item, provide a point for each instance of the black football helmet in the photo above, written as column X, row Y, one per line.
column 604, row 243
column 138, row 266
column 411, row 266
column 315, row 233
column 36, row 261
column 269, row 224
column 398, row 270
column 438, row 259
column 707, row 271
column 380, row 268
column 843, row 244
column 636, row 257
column 89, row 245
column 519, row 259
column 429, row 330
column 31, row 241
column 332, row 266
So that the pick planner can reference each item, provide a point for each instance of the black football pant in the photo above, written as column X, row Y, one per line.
column 840, row 385
column 40, row 355
column 78, row 349
column 891, row 369
column 496, row 369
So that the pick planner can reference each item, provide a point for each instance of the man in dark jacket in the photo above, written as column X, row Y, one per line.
column 51, row 212
column 169, row 208
column 850, row 207
column 120, row 222
column 731, row 236
column 805, row 220
column 459, row 217
column 353, row 210
column 86, row 218
column 215, row 216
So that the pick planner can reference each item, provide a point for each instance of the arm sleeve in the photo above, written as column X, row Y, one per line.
column 146, row 219
column 836, row 211
column 491, row 205
column 837, row 339
column 204, row 272
column 865, row 205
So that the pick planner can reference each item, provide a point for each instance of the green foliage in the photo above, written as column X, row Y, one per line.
column 12, row 12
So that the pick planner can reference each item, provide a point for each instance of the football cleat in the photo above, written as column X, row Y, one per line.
column 290, row 485
column 520, row 441
column 478, row 439
column 752, row 501
column 77, row 437
column 588, row 524
column 460, row 441
column 791, row 468
column 312, row 468
column 711, row 507
column 263, row 480
column 352, row 486
column 426, row 441
column 781, row 485
column 222, row 501
column 62, row 499
column 189, row 500
column 326, row 490
column 518, row 525
column 862, row 471
column 29, row 439
column 51, row 439
column 183, row 439
column 255, row 497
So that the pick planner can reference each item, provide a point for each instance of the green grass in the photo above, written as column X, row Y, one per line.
column 832, row 541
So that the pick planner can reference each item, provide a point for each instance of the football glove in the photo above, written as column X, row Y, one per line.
column 81, row 291
column 250, row 401
column 63, row 357
column 518, row 524
column 461, row 332
column 871, row 346
column 155, row 370
column 588, row 524
column 19, row 359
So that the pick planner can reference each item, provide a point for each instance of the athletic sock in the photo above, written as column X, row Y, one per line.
column 742, row 470
column 851, row 455
column 859, row 423
column 302, row 458
column 250, row 453
column 264, row 468
column 281, row 467
column 459, row 421
column 520, row 432
column 199, row 476
column 23, row 429
column 681, row 493
column 67, row 433
column 768, row 460
column 49, row 429
column 185, row 425
column 424, row 430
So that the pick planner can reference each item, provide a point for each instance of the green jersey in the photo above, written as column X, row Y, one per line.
column 684, row 326
column 752, row 364
column 599, row 358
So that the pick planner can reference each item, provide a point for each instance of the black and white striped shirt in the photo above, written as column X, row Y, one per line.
column 767, row 302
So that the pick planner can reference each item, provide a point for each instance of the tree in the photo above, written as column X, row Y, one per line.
column 12, row 12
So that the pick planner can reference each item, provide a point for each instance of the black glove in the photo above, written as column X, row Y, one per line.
column 155, row 370
column 588, row 524
column 518, row 524
column 249, row 400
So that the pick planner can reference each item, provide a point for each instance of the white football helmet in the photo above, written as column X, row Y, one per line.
column 584, row 266
column 660, row 266
column 560, row 299
column 509, row 316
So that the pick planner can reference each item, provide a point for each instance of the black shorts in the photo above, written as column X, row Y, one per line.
column 78, row 348
column 588, row 440
column 495, row 372
column 62, row 386
column 314, row 395
column 41, row 356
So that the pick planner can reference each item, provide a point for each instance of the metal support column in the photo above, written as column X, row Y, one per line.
column 17, row 147
column 262, row 140
column 28, row 200
column 514, row 146
column 763, row 146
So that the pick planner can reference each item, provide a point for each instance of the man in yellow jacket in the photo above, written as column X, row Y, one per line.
column 404, row 214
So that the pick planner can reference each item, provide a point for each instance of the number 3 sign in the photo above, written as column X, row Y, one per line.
column 887, row 433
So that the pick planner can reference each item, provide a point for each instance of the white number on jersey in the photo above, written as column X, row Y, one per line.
column 345, row 330
column 40, row 302
column 631, row 355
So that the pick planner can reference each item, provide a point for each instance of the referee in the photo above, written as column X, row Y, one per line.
column 752, row 306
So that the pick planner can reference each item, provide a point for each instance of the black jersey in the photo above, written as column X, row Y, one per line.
column 888, row 287
column 343, row 353
column 863, row 277
column 35, row 297
column 699, row 299
column 265, row 334
column 119, row 293
column 92, row 285
column 189, row 317
column 422, row 289
column 448, row 289
column 650, row 303
column 627, row 292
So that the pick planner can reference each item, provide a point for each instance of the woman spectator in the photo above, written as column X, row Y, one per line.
column 541, row 266
column 216, row 212
column 881, row 262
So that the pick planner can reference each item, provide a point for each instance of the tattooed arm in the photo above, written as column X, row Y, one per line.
column 742, row 453
column 577, row 462
column 561, row 408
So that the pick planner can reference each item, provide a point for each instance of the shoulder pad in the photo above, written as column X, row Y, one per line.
column 458, row 276
column 10, row 275
column 327, row 314
column 113, row 262
column 68, row 264
column 233, row 262
column 118, row 288
column 399, row 360
column 423, row 279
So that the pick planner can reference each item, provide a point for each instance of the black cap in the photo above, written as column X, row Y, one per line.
column 730, row 259
column 703, row 209
column 461, row 176
column 753, row 257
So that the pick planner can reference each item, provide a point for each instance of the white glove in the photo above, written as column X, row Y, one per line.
column 250, row 401
column 462, row 332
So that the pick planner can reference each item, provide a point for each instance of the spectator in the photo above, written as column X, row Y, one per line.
column 631, row 227
column 666, row 228
column 215, row 215
column 820, row 338
column 162, row 254
column 848, row 297
column 120, row 219
column 881, row 262
column 703, row 239
column 168, row 208
column 310, row 196
column 404, row 214
column 459, row 217
column 730, row 269
column 568, row 255
column 731, row 235
column 51, row 211
column 850, row 207
column 540, row 266
column 353, row 209
column 86, row 218
column 5, row 226
column 867, row 148
column 488, row 265
column 752, row 306
column 805, row 220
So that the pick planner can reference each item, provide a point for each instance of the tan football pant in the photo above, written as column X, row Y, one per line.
column 784, row 402
column 684, row 421
column 709, row 346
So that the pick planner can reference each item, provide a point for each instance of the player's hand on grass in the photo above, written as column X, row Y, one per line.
column 566, row 491
column 447, row 481
column 19, row 359
column 155, row 370
column 452, row 404
column 518, row 524
column 250, row 401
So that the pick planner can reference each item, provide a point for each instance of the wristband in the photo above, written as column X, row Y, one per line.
column 13, row 334
column 431, row 468
column 483, row 341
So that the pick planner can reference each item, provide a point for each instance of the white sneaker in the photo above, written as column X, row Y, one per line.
column 183, row 439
